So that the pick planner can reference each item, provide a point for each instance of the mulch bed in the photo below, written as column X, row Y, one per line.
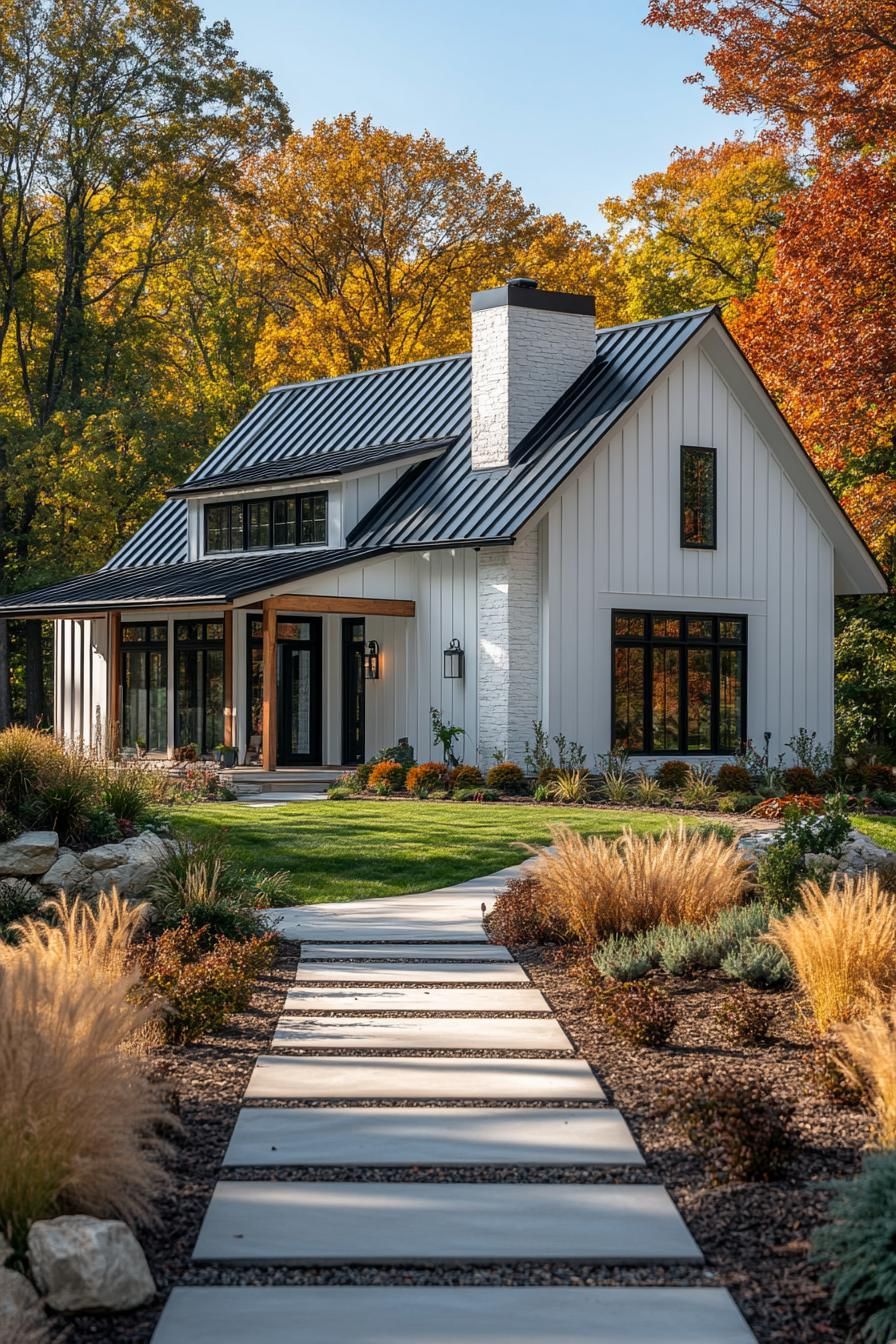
column 207, row 1081
column 754, row 1236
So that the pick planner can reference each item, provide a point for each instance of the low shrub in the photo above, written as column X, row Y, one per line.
column 520, row 915
column 201, row 986
column 772, row 809
column 402, row 752
column 597, row 887
column 733, row 779
column 570, row 786
column 337, row 793
column 870, row 1047
column 886, row 875
column 876, row 776
column 800, row 779
column 81, row 1126
column 673, row 775
column 720, row 829
column 202, row 883
column 743, row 1018
column 884, row 799
column 841, row 945
column 779, row 872
column 741, row 1132
column 743, row 802
column 387, row 777
column 479, row 795
column 10, row 826
column 465, row 777
column 758, row 965
column 783, row 866
column 621, row 958
column 506, row 777
column 647, row 790
column 638, row 1013
column 833, row 1075
column 857, row 1248
column 422, row 779
column 18, row 900
column 361, row 776
column 100, row 828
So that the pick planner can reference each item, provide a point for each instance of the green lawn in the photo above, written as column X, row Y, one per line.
column 882, row 830
column 343, row 851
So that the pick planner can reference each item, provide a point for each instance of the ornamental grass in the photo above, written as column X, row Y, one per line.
column 870, row 1047
column 81, row 1125
column 597, row 887
column 841, row 944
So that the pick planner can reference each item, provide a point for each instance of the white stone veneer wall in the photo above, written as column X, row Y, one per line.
column 509, row 654
column 523, row 359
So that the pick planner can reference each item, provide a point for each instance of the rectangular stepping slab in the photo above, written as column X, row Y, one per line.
column 452, row 1316
column 403, row 1223
column 413, row 973
column 417, row 1136
column 422, row 1033
column 418, row 1078
column 450, row 914
column 394, row 999
column 404, row 951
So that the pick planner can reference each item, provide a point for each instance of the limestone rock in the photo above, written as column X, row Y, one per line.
column 67, row 874
column 89, row 1264
column 19, row 1304
column 29, row 855
column 104, row 856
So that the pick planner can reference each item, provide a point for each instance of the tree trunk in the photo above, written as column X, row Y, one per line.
column 5, row 694
column 34, row 673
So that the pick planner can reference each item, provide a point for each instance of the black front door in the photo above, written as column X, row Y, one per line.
column 352, row 691
column 299, row 691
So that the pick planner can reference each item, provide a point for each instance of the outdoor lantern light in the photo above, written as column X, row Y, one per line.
column 454, row 660
column 372, row 661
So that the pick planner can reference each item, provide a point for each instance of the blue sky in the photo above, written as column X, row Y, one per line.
column 570, row 99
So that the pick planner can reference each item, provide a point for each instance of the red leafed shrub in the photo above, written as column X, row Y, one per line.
column 740, row 1130
column 800, row 779
column 506, row 778
column 422, row 779
column 875, row 776
column 733, row 779
column 638, row 1013
column 772, row 808
column 521, row 915
column 466, row 777
column 673, row 774
column 386, row 777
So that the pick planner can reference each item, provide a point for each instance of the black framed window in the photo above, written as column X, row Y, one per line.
column 698, row 498
column 199, row 684
column 144, row 685
column 679, row 683
column 265, row 524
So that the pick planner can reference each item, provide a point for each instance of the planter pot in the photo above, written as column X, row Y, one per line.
column 226, row 757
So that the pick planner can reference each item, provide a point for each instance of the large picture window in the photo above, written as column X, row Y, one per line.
column 679, row 683
column 144, row 686
column 199, row 684
column 263, row 524
column 698, row 498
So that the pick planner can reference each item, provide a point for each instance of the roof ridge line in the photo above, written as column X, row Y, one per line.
column 366, row 373
column 652, row 321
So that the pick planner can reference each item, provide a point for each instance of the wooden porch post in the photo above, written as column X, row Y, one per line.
column 113, row 672
column 228, row 679
column 269, row 687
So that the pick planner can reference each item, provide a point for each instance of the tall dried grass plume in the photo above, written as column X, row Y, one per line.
column 870, row 1046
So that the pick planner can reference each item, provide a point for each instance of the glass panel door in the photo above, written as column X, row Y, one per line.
column 352, row 691
column 299, row 693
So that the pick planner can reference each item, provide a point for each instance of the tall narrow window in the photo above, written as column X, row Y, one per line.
column 144, row 684
column 698, row 498
column 199, row 684
column 223, row 527
column 678, row 683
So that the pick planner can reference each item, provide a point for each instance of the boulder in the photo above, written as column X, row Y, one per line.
column 29, row 855
column 858, row 853
column 19, row 1305
column 67, row 874
column 147, row 848
column 105, row 856
column 89, row 1264
column 5, row 1249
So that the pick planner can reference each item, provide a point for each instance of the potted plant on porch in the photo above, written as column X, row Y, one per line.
column 225, row 756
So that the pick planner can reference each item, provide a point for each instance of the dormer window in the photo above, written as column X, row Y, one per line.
column 698, row 498
column 266, row 524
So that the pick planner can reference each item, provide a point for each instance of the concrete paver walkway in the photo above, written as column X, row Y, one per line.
column 364, row 1022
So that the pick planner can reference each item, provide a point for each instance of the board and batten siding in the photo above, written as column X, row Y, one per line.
column 80, row 684
column 610, row 538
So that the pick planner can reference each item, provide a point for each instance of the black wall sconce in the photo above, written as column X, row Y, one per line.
column 454, row 660
column 372, row 661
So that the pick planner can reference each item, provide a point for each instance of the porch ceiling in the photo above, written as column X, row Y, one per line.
column 217, row 582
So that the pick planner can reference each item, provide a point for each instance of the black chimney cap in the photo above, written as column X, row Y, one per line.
column 521, row 282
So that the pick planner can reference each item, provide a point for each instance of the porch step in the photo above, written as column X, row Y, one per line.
column 249, row 781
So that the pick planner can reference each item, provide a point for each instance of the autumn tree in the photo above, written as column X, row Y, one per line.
column 123, row 126
column 367, row 244
column 701, row 230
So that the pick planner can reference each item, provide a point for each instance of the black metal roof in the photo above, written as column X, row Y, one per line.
column 312, row 465
column 413, row 408
column 199, row 583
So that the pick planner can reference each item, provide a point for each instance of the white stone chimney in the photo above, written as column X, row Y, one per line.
column 529, row 345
